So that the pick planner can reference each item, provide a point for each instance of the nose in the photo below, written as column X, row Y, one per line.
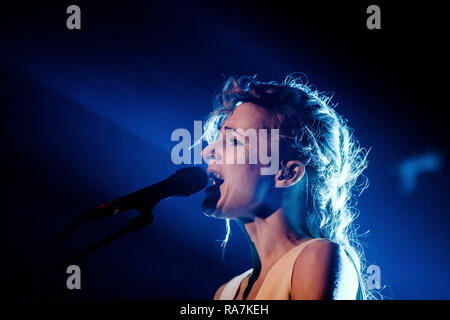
column 208, row 153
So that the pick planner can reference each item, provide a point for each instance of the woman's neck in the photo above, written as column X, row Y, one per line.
column 270, row 238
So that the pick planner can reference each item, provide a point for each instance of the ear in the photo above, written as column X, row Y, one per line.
column 290, row 173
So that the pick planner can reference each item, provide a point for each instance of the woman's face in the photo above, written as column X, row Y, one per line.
column 240, row 190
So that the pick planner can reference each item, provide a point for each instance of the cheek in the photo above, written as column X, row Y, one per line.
column 244, row 184
column 244, row 175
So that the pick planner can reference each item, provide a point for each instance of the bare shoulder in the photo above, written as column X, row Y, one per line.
column 323, row 271
column 219, row 291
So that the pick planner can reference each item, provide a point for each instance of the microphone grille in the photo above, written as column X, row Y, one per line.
column 190, row 180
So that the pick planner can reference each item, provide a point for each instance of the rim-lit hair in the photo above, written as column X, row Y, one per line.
column 312, row 132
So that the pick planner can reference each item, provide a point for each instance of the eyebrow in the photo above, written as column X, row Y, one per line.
column 234, row 130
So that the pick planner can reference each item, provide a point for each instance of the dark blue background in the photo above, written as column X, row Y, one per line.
column 87, row 117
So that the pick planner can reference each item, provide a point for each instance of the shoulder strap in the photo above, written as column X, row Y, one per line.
column 360, row 294
column 230, row 289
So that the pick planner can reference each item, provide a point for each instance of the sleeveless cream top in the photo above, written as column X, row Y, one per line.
column 277, row 284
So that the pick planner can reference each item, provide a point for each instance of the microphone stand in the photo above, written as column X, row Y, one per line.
column 192, row 179
column 135, row 224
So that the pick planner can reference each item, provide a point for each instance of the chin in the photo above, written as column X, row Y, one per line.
column 209, row 208
column 216, row 212
column 219, row 215
column 227, row 213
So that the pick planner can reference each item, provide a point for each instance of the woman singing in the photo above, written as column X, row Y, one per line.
column 299, row 218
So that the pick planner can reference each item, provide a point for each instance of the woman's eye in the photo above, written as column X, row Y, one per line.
column 236, row 142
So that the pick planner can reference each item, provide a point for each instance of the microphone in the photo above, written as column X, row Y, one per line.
column 182, row 183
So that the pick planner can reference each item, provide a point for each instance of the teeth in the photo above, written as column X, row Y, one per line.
column 215, row 178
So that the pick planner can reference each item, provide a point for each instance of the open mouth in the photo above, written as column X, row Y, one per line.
column 212, row 193
column 215, row 178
